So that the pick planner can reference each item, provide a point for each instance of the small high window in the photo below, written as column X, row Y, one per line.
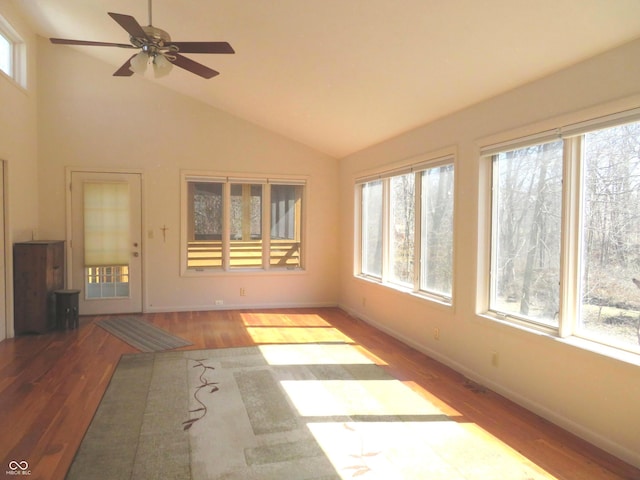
column 6, row 55
column 12, row 53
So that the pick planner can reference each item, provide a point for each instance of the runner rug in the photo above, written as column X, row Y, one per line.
column 142, row 335
column 279, row 412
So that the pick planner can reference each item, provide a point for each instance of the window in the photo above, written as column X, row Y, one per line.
column 402, row 222
column 406, row 228
column 6, row 55
column 371, row 221
column 106, row 239
column 246, row 225
column 610, row 242
column 12, row 53
column 233, row 224
column 565, row 245
column 286, row 234
column 436, row 238
column 527, row 199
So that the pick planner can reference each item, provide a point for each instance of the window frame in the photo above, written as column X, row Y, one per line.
column 571, row 224
column 227, row 180
column 17, row 52
column 417, row 166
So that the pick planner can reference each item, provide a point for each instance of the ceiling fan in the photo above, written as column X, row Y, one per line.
column 156, row 47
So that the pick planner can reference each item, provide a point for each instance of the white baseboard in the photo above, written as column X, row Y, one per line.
column 229, row 306
column 615, row 449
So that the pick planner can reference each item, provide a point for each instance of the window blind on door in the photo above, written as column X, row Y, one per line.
column 106, row 224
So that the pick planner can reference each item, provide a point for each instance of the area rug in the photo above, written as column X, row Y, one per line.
column 279, row 412
column 142, row 335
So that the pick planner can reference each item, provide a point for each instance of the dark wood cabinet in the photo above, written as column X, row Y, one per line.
column 38, row 270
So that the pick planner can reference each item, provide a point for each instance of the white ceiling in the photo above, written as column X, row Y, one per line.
column 341, row 75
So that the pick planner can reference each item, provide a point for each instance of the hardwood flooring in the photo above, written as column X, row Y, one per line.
column 51, row 385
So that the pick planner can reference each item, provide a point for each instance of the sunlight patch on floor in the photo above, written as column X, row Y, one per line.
column 267, row 334
column 429, row 450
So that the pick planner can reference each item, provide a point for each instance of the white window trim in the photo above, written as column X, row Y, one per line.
column 226, row 179
column 18, row 73
column 417, row 164
column 568, row 130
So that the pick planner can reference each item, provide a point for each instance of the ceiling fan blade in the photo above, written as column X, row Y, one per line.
column 130, row 24
column 203, row 47
column 64, row 41
column 193, row 67
column 124, row 70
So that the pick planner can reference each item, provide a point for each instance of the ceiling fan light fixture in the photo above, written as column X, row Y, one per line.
column 139, row 63
column 161, row 66
column 155, row 46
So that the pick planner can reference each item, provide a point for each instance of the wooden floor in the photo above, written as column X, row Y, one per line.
column 50, row 386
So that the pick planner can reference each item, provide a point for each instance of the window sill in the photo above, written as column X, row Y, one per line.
column 219, row 272
column 12, row 81
column 432, row 298
column 602, row 350
column 571, row 341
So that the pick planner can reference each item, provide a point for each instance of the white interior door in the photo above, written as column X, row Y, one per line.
column 106, row 249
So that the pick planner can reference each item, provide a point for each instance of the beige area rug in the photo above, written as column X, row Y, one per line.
column 279, row 412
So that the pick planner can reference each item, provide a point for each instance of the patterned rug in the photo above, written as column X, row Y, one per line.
column 142, row 335
column 279, row 412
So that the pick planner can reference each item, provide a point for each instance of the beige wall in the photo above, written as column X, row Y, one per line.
column 18, row 141
column 592, row 395
column 90, row 119
column 18, row 149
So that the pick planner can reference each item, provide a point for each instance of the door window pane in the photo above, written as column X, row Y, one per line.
column 107, row 282
column 436, row 267
column 610, row 297
column 402, row 229
column 527, row 206
column 371, row 228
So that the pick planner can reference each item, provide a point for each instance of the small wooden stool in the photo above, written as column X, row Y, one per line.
column 66, row 308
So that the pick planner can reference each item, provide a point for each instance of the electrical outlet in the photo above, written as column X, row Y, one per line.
column 436, row 333
column 219, row 302
column 243, row 292
column 364, row 301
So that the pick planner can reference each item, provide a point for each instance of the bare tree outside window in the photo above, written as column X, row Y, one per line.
column 526, row 241
column 402, row 229
column 436, row 266
column 610, row 302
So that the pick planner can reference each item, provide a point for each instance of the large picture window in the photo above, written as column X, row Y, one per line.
column 406, row 228
column 565, row 244
column 234, row 224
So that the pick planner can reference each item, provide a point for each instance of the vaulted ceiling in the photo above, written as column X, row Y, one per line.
column 341, row 75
